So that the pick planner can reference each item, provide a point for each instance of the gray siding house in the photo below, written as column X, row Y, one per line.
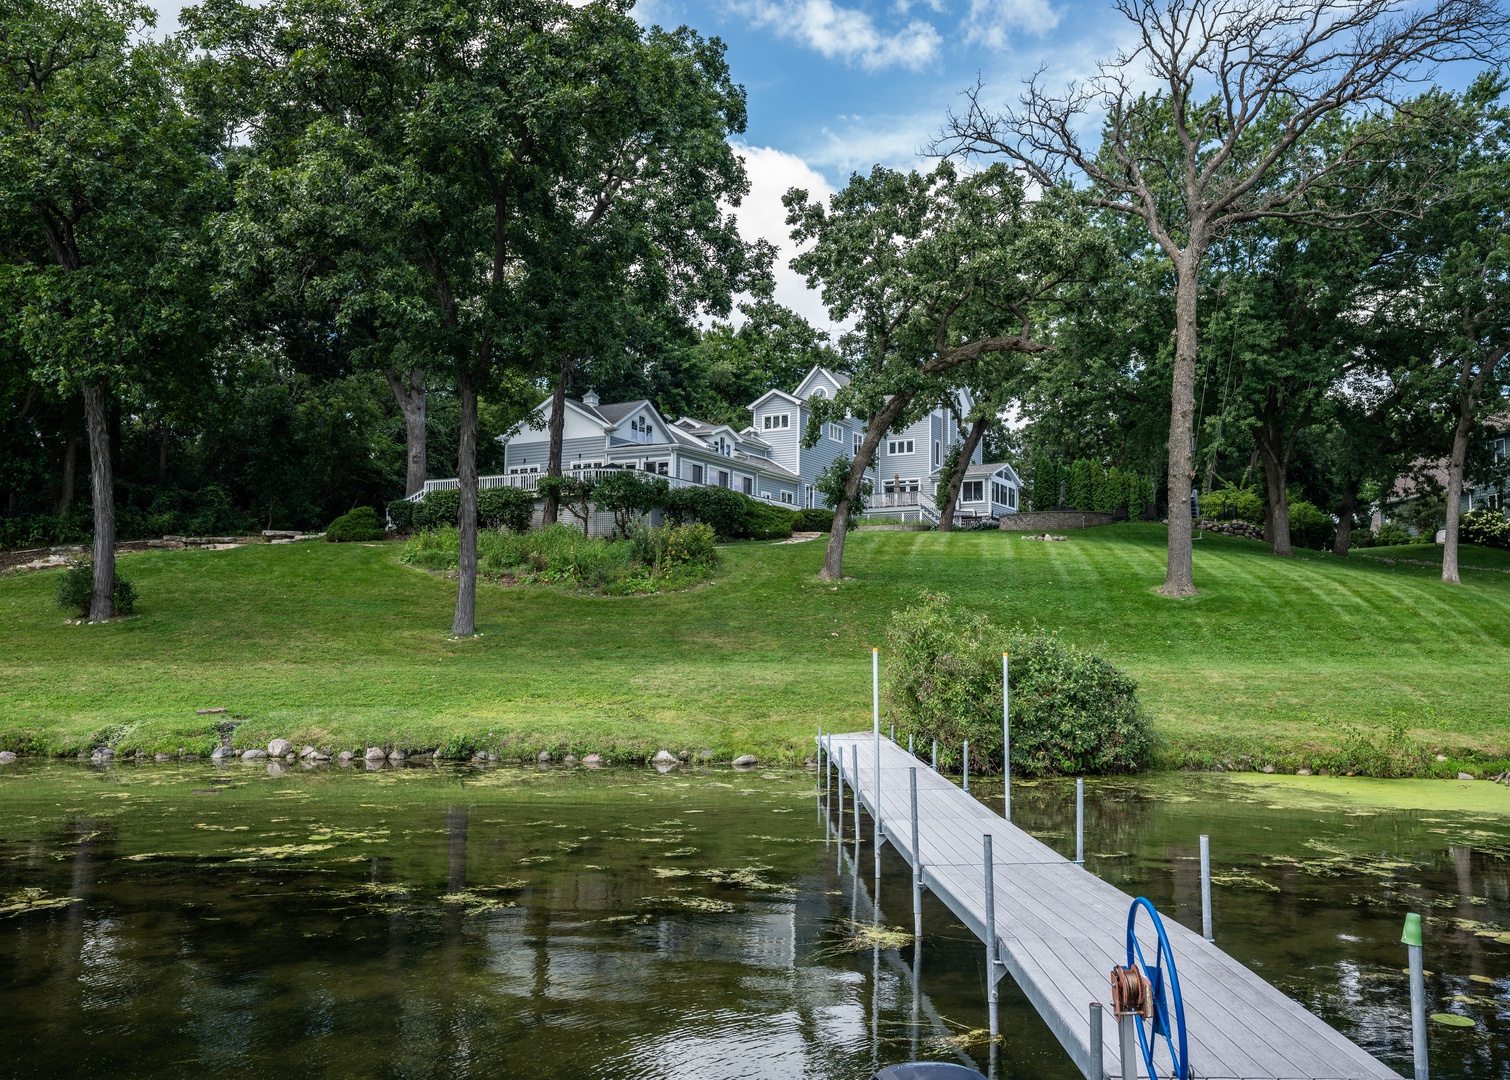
column 764, row 460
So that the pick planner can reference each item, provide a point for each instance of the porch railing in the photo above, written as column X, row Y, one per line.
column 531, row 482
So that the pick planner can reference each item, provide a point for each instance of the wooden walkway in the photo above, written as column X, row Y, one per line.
column 1060, row 930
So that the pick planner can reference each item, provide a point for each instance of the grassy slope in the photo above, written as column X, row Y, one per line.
column 1478, row 558
column 340, row 644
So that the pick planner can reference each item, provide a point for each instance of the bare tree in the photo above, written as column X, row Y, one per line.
column 1225, row 138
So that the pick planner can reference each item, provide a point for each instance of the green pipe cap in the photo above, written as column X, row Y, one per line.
column 1412, row 934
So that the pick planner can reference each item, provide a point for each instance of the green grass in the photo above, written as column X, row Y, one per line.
column 341, row 645
column 1469, row 557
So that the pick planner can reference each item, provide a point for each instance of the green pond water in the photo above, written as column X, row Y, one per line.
column 194, row 920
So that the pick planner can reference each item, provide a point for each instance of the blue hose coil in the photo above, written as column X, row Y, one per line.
column 1164, row 987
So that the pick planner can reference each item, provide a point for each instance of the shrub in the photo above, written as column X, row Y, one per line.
column 561, row 555
column 359, row 524
column 504, row 508
column 1073, row 713
column 767, row 522
column 728, row 512
column 1490, row 528
column 76, row 590
column 1234, row 504
column 572, row 493
column 813, row 519
column 437, row 510
column 401, row 513
column 1310, row 526
column 1392, row 534
column 628, row 495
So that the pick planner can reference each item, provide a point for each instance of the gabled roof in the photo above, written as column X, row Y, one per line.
column 774, row 393
column 840, row 381
column 583, row 408
column 748, row 436
column 988, row 469
column 617, row 411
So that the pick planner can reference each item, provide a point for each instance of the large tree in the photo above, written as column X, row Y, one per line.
column 635, row 242
column 936, row 271
column 105, row 180
column 1222, row 141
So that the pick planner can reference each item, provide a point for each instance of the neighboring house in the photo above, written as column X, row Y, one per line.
column 765, row 460
column 1428, row 476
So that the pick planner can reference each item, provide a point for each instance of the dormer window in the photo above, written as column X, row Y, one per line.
column 639, row 429
column 777, row 421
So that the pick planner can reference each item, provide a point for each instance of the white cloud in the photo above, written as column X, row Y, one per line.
column 761, row 216
column 846, row 34
column 989, row 22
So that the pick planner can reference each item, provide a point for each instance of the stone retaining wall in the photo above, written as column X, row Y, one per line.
column 1051, row 520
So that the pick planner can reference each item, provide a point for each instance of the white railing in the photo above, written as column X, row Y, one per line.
column 531, row 481
column 895, row 498
column 928, row 510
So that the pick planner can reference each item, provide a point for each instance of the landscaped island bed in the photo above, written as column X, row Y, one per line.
column 1277, row 661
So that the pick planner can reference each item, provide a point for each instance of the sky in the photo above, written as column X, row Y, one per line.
column 837, row 86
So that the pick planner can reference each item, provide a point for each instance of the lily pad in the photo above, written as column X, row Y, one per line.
column 1452, row 1020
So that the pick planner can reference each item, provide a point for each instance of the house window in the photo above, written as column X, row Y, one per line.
column 747, row 485
column 972, row 491
column 777, row 421
column 659, row 468
column 518, row 469
column 786, row 497
column 639, row 429
column 858, row 440
column 820, row 393
column 697, row 474
column 1012, row 497
column 899, row 484
column 899, row 446
column 834, row 431
column 935, row 453
column 723, row 478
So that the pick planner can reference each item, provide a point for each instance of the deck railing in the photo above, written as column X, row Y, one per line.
column 531, row 482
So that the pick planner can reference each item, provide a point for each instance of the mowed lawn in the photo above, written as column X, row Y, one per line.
column 342, row 645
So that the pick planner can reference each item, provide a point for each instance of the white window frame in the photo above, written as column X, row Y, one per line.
column 721, row 477
column 698, row 472
column 777, row 421
column 788, row 498
column 747, row 485
column 901, row 447
column 835, row 432
column 980, row 491
column 858, row 439
column 901, row 485
column 935, row 453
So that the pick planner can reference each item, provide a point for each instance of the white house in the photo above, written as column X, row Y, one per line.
column 764, row 460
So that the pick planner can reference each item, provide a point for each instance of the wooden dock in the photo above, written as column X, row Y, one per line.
column 1060, row 930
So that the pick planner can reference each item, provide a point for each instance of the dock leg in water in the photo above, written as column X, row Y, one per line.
column 1412, row 941
column 965, row 771
column 1206, row 887
column 854, row 789
column 994, row 966
column 917, row 866
column 1079, row 822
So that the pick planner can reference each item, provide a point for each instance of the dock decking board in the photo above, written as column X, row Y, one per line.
column 1060, row 930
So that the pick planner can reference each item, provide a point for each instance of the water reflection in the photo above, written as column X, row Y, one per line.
column 425, row 922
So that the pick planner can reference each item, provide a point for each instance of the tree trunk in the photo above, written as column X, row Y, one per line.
column 957, row 474
column 102, row 495
column 1455, row 466
column 1277, row 502
column 409, row 391
column 1179, row 574
column 162, row 452
column 465, row 622
column 1343, row 541
column 1470, row 388
column 875, row 431
column 70, row 470
column 552, row 509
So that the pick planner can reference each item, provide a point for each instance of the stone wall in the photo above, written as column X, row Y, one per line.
column 1051, row 520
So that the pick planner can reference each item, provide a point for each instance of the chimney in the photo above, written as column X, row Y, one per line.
column 590, row 399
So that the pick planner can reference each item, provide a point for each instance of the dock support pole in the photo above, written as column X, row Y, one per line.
column 875, row 693
column 992, row 963
column 1128, row 1030
column 854, row 784
column 1080, row 822
column 909, row 742
column 1006, row 740
column 965, row 772
column 1412, row 940
column 1206, row 887
column 917, row 865
column 1095, row 1063
column 935, row 762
